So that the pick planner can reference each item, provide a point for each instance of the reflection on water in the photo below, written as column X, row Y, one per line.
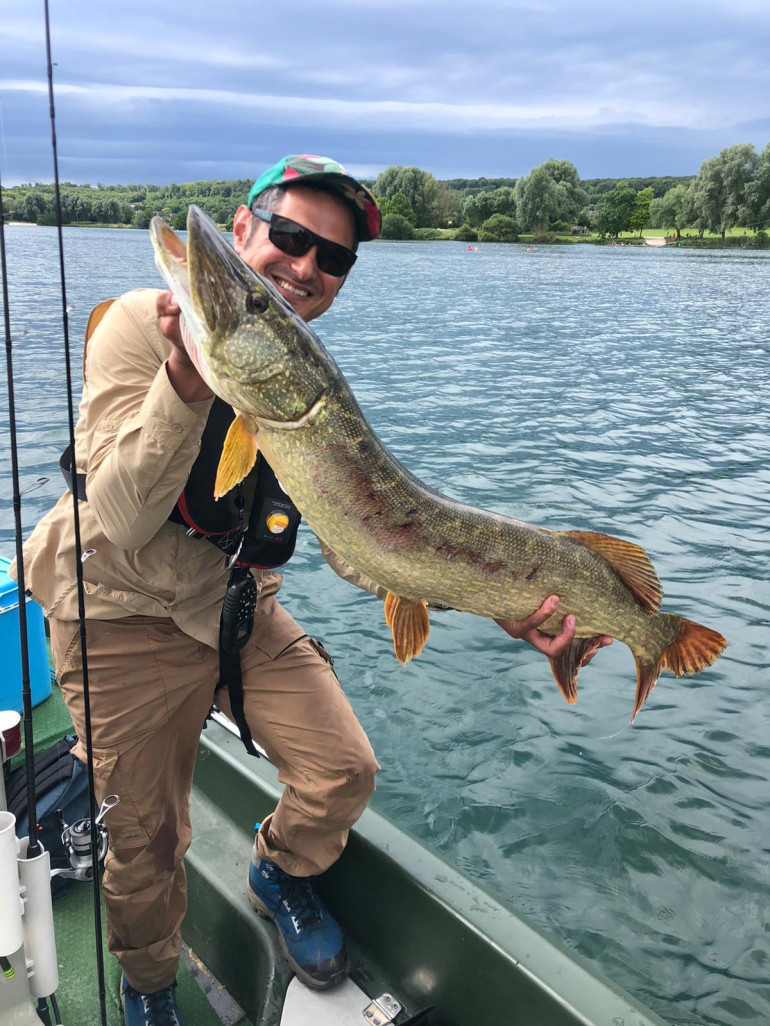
column 621, row 390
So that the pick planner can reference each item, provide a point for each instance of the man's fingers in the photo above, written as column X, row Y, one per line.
column 525, row 627
column 166, row 305
column 601, row 642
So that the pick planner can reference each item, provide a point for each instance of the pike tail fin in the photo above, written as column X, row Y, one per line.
column 693, row 649
column 238, row 455
column 410, row 624
column 565, row 667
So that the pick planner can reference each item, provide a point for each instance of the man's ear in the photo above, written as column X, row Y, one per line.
column 241, row 227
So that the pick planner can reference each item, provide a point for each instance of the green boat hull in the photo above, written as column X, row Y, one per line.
column 417, row 928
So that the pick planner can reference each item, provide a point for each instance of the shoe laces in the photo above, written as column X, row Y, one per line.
column 158, row 1007
column 300, row 901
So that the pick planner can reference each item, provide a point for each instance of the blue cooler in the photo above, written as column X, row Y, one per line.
column 10, row 646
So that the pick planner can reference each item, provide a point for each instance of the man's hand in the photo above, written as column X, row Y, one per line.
column 527, row 630
column 168, row 310
column 182, row 372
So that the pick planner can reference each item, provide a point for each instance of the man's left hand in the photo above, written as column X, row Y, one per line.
column 527, row 630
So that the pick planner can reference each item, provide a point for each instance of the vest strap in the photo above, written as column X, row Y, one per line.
column 73, row 479
column 235, row 627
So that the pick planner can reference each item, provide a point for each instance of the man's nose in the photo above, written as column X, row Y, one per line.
column 305, row 266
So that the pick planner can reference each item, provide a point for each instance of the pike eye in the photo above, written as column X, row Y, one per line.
column 256, row 303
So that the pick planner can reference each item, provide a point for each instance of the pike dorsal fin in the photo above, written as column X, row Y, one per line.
column 631, row 562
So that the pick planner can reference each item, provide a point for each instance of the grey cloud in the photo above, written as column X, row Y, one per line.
column 471, row 86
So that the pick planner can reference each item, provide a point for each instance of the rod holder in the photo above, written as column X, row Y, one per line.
column 11, row 930
column 39, row 938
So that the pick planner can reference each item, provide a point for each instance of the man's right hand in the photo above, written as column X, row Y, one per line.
column 182, row 372
column 168, row 311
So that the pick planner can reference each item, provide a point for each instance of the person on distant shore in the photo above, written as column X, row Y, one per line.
column 147, row 442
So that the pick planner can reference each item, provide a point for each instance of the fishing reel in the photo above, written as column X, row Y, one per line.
column 76, row 840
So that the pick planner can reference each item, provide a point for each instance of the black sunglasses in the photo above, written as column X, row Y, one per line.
column 295, row 240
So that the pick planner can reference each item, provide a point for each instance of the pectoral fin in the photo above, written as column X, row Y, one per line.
column 566, row 666
column 410, row 624
column 238, row 456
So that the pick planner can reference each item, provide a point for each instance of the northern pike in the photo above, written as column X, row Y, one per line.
column 291, row 400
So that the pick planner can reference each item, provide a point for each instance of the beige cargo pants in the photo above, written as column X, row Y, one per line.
column 151, row 687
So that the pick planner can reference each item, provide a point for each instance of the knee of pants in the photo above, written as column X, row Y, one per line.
column 357, row 779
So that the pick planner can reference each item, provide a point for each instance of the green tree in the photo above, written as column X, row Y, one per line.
column 549, row 192
column 505, row 201
column 615, row 210
column 466, row 233
column 499, row 228
column 538, row 201
column 394, row 226
column 447, row 205
column 721, row 191
column 674, row 210
column 478, row 208
column 758, row 193
column 397, row 204
column 573, row 195
column 34, row 204
column 143, row 216
column 640, row 215
column 419, row 187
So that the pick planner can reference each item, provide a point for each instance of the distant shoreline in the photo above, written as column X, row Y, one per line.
column 732, row 240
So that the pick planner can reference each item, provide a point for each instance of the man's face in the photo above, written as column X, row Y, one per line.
column 310, row 291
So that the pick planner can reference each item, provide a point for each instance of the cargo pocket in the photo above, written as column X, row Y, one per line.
column 124, row 822
column 65, row 642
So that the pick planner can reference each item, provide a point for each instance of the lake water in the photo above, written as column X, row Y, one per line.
column 617, row 389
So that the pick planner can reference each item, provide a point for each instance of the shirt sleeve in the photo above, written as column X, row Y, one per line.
column 136, row 438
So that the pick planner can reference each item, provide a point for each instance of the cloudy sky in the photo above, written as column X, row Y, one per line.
column 151, row 92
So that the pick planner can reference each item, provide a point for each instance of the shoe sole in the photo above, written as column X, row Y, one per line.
column 264, row 913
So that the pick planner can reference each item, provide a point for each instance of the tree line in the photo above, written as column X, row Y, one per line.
column 730, row 189
column 130, row 205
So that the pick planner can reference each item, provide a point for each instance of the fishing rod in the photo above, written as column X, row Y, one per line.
column 78, row 544
column 34, row 864
column 26, row 691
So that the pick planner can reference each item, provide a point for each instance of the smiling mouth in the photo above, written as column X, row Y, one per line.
column 294, row 290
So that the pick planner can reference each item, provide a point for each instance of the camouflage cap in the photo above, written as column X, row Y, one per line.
column 311, row 168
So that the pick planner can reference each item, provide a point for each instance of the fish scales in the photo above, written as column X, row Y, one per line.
column 420, row 545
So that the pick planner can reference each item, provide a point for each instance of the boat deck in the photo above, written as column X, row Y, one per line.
column 416, row 928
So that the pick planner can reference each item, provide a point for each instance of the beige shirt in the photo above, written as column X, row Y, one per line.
column 136, row 441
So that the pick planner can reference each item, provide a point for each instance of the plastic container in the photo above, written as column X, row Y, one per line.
column 10, row 646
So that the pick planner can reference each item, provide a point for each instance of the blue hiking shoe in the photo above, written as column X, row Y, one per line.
column 158, row 1009
column 309, row 935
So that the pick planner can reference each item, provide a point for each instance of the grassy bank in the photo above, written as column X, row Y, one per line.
column 734, row 238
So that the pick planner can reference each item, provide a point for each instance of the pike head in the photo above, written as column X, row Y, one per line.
column 247, row 342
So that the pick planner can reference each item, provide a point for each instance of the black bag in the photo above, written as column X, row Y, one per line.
column 61, row 788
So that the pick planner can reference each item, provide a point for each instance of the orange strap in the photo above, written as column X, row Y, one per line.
column 94, row 320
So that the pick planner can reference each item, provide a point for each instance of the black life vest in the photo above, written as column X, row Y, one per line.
column 256, row 519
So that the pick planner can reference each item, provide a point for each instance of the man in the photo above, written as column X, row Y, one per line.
column 155, row 579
